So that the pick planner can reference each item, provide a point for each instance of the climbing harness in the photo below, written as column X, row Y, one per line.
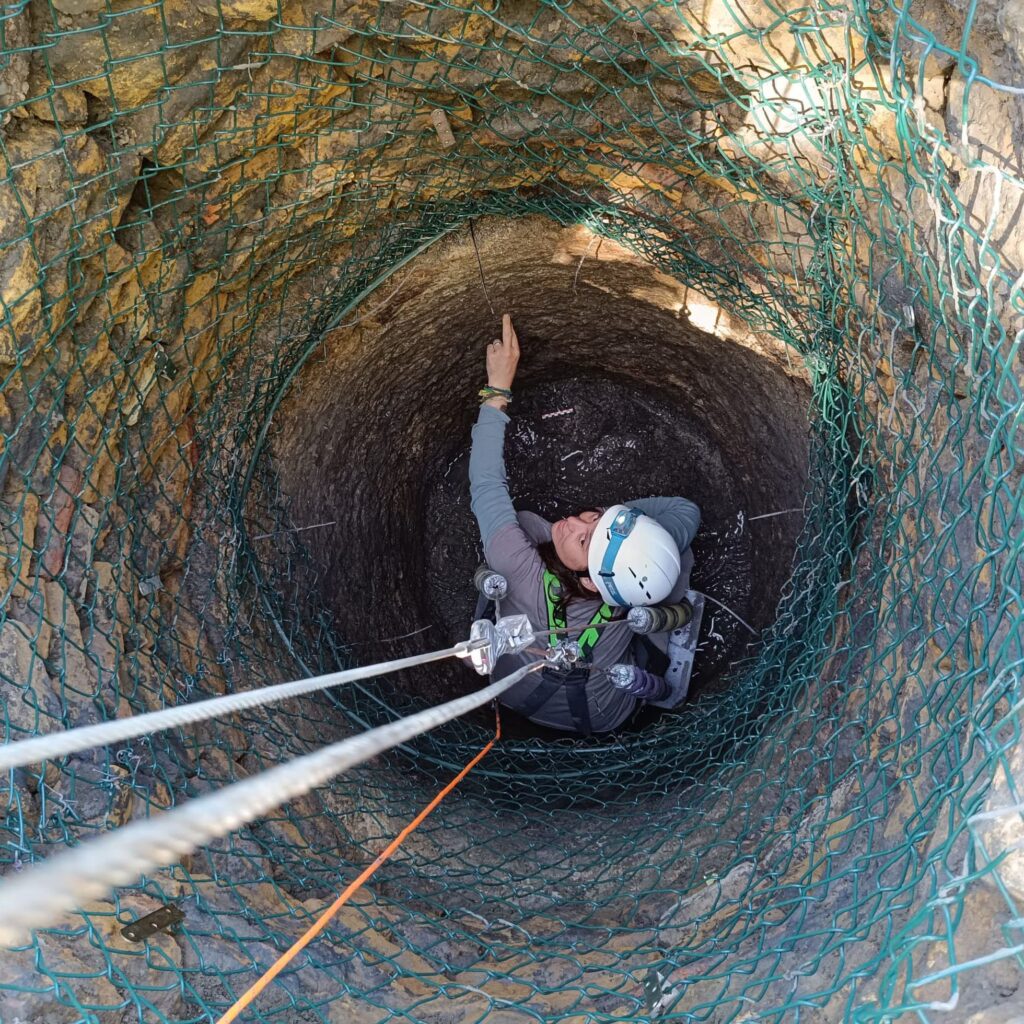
column 568, row 661
column 566, row 664
column 573, row 682
column 556, row 619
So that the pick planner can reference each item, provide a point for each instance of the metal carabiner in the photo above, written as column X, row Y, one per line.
column 489, row 641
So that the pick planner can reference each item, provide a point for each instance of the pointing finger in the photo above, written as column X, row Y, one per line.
column 509, row 334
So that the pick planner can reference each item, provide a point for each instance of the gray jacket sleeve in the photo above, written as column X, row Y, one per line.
column 507, row 548
column 488, row 485
column 680, row 517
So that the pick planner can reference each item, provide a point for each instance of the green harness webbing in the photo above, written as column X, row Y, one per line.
column 590, row 636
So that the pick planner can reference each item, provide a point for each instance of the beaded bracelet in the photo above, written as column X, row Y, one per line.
column 487, row 393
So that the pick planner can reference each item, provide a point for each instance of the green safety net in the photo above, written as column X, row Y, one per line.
column 193, row 192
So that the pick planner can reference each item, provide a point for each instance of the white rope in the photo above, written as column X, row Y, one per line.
column 45, row 892
column 69, row 741
column 769, row 515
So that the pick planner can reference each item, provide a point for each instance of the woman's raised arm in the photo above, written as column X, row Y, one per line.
column 488, row 485
column 680, row 516
column 507, row 548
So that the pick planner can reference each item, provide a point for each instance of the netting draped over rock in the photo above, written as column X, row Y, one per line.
column 222, row 226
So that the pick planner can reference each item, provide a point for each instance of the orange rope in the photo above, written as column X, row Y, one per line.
column 322, row 921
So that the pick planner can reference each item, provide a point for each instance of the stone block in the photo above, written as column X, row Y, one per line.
column 66, row 106
column 1010, row 21
column 29, row 702
column 240, row 10
column 78, row 678
column 19, row 289
column 17, row 545
column 999, row 829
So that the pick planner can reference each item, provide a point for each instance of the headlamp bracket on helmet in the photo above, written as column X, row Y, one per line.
column 619, row 529
column 633, row 559
column 622, row 525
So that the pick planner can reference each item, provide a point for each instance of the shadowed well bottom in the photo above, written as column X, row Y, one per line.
column 630, row 385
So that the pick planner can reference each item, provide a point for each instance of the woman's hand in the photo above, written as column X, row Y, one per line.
column 503, row 356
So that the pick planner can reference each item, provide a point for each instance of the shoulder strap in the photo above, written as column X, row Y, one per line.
column 555, row 621
column 589, row 637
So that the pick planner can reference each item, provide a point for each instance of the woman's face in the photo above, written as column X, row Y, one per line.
column 571, row 538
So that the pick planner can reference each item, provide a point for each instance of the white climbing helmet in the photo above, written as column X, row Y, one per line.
column 633, row 559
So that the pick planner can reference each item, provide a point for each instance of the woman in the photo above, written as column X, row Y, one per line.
column 581, row 571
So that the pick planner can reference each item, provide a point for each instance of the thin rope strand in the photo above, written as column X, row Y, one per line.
column 480, row 265
column 726, row 608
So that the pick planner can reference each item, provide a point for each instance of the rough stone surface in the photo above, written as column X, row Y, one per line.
column 1010, row 20
column 1002, row 834
column 82, row 953
column 78, row 6
column 255, row 10
column 997, row 1015
column 29, row 700
column 14, row 60
column 649, row 406
column 178, row 193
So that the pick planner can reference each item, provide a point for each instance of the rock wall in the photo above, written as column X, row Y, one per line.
column 189, row 192
column 383, row 409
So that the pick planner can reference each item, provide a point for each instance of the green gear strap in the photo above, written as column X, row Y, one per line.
column 589, row 637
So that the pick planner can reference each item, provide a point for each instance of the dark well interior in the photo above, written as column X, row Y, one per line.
column 630, row 385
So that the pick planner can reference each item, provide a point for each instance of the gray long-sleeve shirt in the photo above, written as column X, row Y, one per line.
column 510, row 540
